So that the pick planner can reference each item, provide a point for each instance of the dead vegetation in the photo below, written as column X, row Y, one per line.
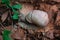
column 52, row 30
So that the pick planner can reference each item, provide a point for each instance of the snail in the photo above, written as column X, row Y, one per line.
column 37, row 17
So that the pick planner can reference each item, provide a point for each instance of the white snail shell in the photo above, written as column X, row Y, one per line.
column 38, row 17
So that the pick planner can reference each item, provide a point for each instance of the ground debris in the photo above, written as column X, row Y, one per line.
column 51, row 31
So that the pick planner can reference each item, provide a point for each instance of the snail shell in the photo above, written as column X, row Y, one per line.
column 38, row 17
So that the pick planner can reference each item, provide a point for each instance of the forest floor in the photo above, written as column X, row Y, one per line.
column 51, row 31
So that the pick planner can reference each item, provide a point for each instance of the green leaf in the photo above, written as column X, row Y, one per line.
column 15, row 16
column 6, row 1
column 17, row 6
column 6, row 34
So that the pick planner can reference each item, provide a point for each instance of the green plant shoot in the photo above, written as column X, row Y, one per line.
column 6, row 35
column 14, row 7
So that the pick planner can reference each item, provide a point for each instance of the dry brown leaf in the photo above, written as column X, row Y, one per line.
column 45, row 7
column 4, row 16
column 53, row 0
column 49, row 27
column 1, row 37
column 26, row 8
column 56, row 0
column 9, row 27
column 58, row 19
column 19, row 34
column 31, row 31
column 50, row 34
column 54, row 8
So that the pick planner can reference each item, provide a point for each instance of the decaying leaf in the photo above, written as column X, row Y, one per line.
column 18, row 34
column 54, row 8
column 1, row 37
column 45, row 7
column 58, row 19
column 56, row 0
column 4, row 16
column 50, row 34
column 26, row 31
column 26, row 8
